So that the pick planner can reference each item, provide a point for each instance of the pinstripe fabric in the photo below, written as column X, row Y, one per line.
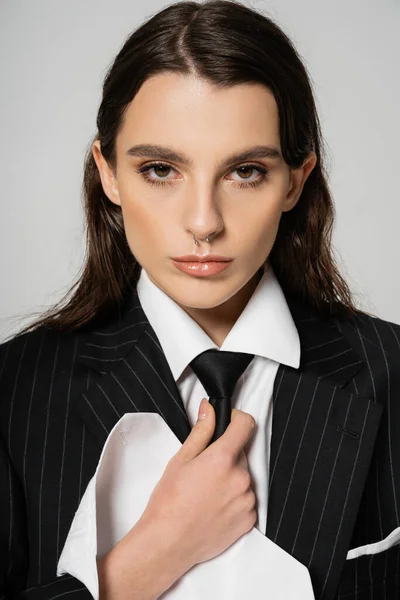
column 334, row 481
column 378, row 344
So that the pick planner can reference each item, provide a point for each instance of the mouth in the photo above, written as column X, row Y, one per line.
column 202, row 268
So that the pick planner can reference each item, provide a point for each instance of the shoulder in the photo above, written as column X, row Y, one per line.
column 27, row 351
column 370, row 334
column 377, row 343
column 32, row 364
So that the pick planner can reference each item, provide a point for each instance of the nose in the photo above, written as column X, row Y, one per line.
column 203, row 216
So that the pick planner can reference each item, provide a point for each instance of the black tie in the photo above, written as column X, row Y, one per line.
column 218, row 372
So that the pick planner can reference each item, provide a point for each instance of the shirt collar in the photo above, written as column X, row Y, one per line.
column 264, row 328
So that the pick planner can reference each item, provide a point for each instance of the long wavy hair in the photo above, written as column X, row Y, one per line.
column 225, row 43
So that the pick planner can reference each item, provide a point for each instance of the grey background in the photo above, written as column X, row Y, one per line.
column 53, row 57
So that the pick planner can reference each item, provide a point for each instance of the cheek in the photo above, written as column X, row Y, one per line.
column 264, row 236
column 141, row 229
column 260, row 226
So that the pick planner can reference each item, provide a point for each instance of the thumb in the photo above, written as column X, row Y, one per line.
column 201, row 433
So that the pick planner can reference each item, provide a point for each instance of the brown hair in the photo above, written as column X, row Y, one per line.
column 225, row 43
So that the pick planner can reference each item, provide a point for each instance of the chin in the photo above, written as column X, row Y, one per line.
column 202, row 300
column 195, row 304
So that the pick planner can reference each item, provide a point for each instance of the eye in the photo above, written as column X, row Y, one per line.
column 248, row 182
column 162, row 169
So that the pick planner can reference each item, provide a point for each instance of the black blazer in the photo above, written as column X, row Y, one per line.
column 335, row 448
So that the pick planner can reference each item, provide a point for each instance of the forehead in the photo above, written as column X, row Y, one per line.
column 187, row 109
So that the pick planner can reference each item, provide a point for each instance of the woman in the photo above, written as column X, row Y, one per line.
column 208, row 144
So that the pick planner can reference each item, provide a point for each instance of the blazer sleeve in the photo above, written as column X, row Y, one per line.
column 14, row 553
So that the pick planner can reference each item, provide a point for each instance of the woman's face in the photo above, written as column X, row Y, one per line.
column 202, row 188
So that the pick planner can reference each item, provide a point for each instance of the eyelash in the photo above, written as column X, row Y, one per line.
column 262, row 170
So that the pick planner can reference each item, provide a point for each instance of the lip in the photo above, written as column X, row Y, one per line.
column 200, row 268
column 204, row 258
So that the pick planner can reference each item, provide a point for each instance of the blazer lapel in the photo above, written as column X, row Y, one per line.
column 133, row 375
column 321, row 446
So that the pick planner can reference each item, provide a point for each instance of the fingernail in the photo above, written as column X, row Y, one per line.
column 203, row 409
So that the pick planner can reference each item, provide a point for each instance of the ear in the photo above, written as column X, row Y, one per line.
column 298, row 177
column 108, row 180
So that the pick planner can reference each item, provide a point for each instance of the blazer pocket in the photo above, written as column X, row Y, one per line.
column 371, row 576
column 391, row 540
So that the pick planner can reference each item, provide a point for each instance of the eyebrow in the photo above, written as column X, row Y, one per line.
column 164, row 153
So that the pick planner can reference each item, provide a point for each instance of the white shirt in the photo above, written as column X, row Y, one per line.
column 265, row 328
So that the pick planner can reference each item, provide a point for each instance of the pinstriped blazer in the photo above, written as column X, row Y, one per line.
column 335, row 448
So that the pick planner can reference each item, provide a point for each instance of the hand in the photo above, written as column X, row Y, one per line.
column 204, row 501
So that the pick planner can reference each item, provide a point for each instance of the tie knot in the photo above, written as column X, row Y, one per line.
column 219, row 370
